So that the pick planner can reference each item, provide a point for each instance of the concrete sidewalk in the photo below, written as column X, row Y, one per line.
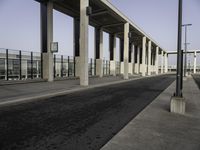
column 155, row 128
column 18, row 93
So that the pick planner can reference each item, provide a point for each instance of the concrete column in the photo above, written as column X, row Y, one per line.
column 77, row 45
column 130, row 61
column 195, row 61
column 121, row 56
column 133, row 58
column 47, row 39
column 166, row 62
column 162, row 69
column 138, row 58
column 156, row 60
column 84, row 21
column 126, row 49
column 143, row 65
column 149, row 58
column 99, row 51
column 113, row 55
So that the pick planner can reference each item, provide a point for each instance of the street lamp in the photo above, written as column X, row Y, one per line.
column 185, row 64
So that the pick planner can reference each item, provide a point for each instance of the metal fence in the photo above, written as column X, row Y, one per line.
column 106, row 67
column 64, row 66
column 92, row 67
column 19, row 65
column 118, row 67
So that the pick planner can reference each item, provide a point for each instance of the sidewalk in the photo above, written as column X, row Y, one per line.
column 17, row 93
column 155, row 128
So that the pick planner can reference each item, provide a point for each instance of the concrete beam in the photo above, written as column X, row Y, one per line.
column 195, row 61
column 84, row 21
column 149, row 58
column 126, row 49
column 143, row 65
column 156, row 60
column 47, row 39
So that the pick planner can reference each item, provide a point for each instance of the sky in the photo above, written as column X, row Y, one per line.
column 20, row 24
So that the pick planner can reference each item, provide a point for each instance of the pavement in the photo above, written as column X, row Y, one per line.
column 155, row 128
column 26, row 91
column 81, row 120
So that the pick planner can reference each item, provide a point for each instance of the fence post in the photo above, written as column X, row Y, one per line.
column 41, row 66
column 54, row 66
column 20, row 65
column 6, row 64
column 61, row 65
column 31, row 65
column 68, row 66
column 74, row 66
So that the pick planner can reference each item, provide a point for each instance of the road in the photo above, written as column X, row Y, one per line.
column 83, row 120
column 197, row 79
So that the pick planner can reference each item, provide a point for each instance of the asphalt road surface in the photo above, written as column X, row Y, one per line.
column 197, row 79
column 83, row 120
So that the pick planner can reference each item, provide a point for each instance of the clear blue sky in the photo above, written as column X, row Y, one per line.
column 20, row 24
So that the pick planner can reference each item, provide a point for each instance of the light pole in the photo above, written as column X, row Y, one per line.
column 178, row 92
column 185, row 64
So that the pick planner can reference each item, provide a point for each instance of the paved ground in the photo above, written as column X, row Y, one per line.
column 79, row 121
column 21, row 91
column 155, row 128
column 197, row 79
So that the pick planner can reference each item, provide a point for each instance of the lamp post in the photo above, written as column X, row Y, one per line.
column 185, row 64
column 178, row 92
column 177, row 104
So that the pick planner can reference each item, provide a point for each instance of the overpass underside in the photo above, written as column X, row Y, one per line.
column 139, row 53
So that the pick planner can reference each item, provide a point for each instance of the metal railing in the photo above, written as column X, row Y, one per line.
column 92, row 67
column 64, row 66
column 19, row 65
column 118, row 67
column 106, row 67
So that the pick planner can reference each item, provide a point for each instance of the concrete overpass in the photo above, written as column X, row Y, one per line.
column 188, row 52
column 138, row 51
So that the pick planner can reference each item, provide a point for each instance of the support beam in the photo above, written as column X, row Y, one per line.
column 143, row 65
column 46, row 10
column 156, row 60
column 77, row 45
column 166, row 62
column 162, row 69
column 126, row 49
column 84, row 21
column 98, row 13
column 112, row 48
column 122, row 56
column 130, row 61
column 149, row 58
column 195, row 61
column 99, row 51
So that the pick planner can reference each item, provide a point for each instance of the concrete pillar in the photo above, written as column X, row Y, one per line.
column 99, row 51
column 84, row 21
column 121, row 56
column 126, row 49
column 143, row 65
column 156, row 60
column 47, row 39
column 162, row 69
column 166, row 62
column 77, row 45
column 195, row 61
column 138, row 58
column 130, row 62
column 112, row 54
column 149, row 58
